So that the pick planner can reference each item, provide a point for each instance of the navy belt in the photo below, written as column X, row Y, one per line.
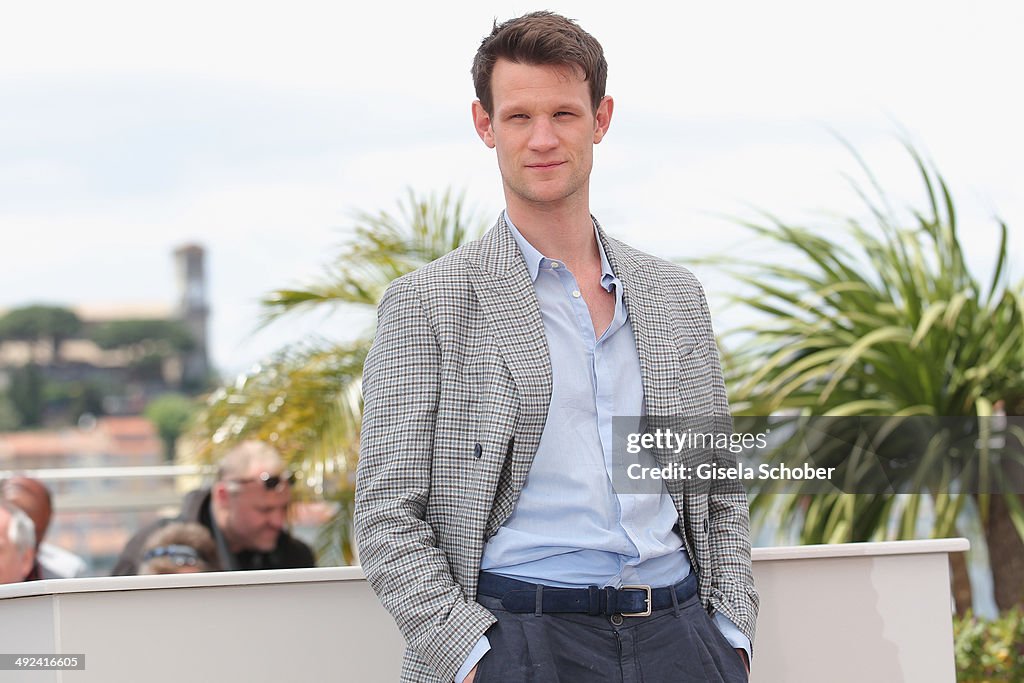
column 627, row 601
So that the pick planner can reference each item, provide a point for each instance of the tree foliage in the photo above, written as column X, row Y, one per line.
column 989, row 650
column 26, row 394
column 10, row 419
column 40, row 323
column 171, row 414
column 143, row 337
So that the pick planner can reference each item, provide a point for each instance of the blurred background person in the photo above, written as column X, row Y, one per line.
column 245, row 512
column 32, row 496
column 179, row 548
column 17, row 544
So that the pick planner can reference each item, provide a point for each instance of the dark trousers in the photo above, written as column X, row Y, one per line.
column 674, row 645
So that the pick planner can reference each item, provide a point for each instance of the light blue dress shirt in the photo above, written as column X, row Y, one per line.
column 570, row 528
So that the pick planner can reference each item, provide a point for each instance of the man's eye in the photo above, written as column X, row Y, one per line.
column 518, row 116
column 564, row 113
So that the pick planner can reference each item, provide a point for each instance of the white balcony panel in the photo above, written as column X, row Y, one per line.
column 858, row 612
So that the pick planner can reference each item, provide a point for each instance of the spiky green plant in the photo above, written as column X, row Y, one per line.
column 882, row 318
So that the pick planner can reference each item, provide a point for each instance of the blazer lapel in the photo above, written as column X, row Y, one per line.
column 660, row 348
column 508, row 299
column 644, row 298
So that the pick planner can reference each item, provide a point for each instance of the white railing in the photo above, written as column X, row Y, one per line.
column 843, row 614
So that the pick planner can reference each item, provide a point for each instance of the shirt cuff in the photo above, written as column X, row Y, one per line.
column 732, row 634
column 482, row 647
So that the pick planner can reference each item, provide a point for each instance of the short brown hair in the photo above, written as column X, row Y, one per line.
column 179, row 544
column 540, row 38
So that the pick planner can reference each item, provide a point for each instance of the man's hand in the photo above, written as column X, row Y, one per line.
column 472, row 675
column 740, row 651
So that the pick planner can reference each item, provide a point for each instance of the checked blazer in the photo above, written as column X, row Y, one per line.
column 456, row 390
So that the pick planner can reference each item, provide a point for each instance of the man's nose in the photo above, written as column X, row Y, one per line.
column 542, row 134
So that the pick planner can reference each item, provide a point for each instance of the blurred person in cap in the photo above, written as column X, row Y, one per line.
column 17, row 544
column 179, row 548
column 245, row 512
column 32, row 496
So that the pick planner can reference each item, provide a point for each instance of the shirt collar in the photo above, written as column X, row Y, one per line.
column 534, row 258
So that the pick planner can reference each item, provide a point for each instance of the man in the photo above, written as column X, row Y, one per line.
column 245, row 511
column 486, row 515
column 32, row 496
column 17, row 544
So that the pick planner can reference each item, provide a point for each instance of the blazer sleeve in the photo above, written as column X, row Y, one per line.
column 397, row 546
column 732, row 578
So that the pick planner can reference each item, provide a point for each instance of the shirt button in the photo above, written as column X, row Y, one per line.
column 554, row 264
column 576, row 293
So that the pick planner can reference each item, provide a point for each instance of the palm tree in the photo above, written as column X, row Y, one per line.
column 892, row 324
column 307, row 398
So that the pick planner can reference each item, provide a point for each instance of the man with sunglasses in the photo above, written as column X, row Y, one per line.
column 245, row 511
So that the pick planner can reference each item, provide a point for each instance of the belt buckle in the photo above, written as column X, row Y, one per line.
column 645, row 588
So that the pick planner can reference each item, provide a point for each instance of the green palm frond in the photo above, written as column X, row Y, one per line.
column 307, row 398
column 876, row 319
column 383, row 246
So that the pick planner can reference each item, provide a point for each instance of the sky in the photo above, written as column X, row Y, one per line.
column 259, row 129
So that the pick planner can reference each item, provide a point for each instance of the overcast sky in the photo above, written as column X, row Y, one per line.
column 127, row 129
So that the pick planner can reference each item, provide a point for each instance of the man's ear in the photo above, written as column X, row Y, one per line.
column 603, row 118
column 482, row 123
column 220, row 493
column 27, row 560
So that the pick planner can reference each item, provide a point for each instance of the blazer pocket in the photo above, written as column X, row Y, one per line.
column 689, row 345
column 696, row 379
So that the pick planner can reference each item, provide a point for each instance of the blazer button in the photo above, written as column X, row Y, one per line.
column 707, row 525
column 478, row 451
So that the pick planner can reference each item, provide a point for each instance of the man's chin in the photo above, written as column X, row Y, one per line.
column 265, row 546
column 545, row 193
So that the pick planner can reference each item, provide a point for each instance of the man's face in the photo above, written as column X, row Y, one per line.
column 14, row 566
column 255, row 515
column 544, row 128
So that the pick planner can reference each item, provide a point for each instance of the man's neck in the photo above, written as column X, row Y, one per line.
column 559, row 232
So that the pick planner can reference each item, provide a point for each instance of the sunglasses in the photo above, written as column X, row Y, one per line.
column 180, row 555
column 271, row 482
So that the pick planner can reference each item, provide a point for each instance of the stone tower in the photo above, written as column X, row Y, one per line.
column 194, row 311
